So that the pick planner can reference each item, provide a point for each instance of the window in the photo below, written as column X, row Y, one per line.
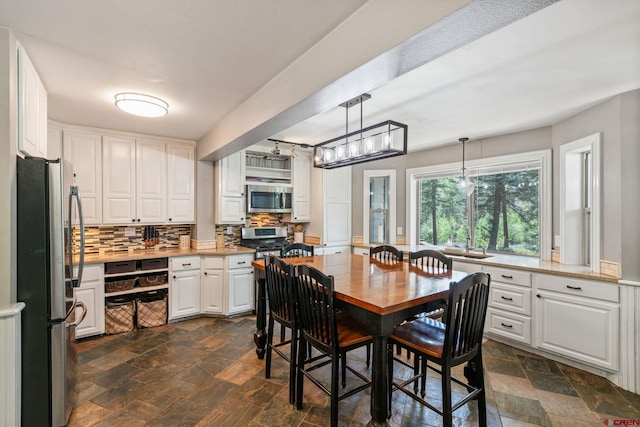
column 379, row 201
column 509, row 211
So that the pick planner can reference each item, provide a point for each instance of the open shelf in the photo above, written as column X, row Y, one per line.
column 137, row 289
column 136, row 273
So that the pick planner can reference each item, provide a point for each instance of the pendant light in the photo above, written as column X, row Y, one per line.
column 464, row 184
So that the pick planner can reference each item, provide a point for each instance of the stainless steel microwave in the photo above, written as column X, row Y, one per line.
column 275, row 198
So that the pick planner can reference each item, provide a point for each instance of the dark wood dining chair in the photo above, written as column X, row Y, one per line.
column 449, row 344
column 279, row 284
column 320, row 328
column 431, row 258
column 386, row 252
column 296, row 250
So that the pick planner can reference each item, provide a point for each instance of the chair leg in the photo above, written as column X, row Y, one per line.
column 299, row 375
column 482, row 399
column 389, row 378
column 267, row 363
column 335, row 365
column 292, row 365
column 368, row 355
column 447, row 416
column 343, row 363
column 416, row 369
column 423, row 379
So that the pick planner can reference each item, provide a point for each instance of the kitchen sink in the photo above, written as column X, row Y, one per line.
column 462, row 253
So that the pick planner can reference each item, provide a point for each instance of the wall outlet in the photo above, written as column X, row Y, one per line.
column 556, row 240
column 229, row 230
column 130, row 231
column 399, row 231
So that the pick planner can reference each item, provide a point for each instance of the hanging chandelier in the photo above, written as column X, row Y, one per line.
column 464, row 184
column 380, row 141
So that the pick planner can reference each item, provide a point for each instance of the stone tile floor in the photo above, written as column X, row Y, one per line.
column 204, row 372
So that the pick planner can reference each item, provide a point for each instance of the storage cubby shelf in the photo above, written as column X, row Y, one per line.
column 136, row 273
column 138, row 289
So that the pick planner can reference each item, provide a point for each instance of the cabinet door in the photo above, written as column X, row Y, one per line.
column 151, row 181
column 213, row 291
column 233, row 173
column 580, row 328
column 84, row 151
column 336, row 225
column 91, row 294
column 180, row 183
column 301, row 187
column 32, row 109
column 184, row 294
column 240, row 286
column 119, row 180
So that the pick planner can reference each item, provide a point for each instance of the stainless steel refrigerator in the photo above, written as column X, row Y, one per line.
column 46, row 278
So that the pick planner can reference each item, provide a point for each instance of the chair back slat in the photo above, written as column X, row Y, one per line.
column 432, row 259
column 465, row 317
column 314, row 292
column 296, row 250
column 386, row 252
column 279, row 287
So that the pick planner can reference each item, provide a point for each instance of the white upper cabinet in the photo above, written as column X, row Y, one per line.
column 84, row 151
column 180, row 183
column 301, row 187
column 230, row 182
column 32, row 109
column 119, row 180
column 151, row 181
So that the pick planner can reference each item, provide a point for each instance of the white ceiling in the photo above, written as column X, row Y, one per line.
column 203, row 57
column 207, row 57
column 531, row 73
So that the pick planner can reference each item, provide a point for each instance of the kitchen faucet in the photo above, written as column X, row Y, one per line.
column 468, row 247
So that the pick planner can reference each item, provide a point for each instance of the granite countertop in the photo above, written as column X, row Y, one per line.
column 113, row 256
column 518, row 263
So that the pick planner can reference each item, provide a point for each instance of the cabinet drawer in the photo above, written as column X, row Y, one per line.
column 511, row 298
column 577, row 287
column 330, row 250
column 466, row 267
column 508, row 325
column 91, row 272
column 361, row 251
column 504, row 275
column 239, row 261
column 216, row 262
column 185, row 263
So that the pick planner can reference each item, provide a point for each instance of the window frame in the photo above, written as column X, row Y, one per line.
column 480, row 167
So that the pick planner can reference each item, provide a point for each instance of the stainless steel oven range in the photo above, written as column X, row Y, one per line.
column 265, row 240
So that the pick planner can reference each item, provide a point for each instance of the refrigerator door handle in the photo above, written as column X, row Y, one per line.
column 76, row 322
column 75, row 192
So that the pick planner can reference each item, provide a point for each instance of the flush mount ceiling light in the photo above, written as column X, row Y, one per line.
column 141, row 105
column 383, row 140
column 465, row 185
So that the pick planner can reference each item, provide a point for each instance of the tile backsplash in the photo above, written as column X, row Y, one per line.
column 113, row 238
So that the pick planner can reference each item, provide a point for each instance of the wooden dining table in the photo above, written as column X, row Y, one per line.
column 380, row 294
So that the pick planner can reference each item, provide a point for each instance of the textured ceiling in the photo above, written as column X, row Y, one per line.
column 203, row 57
column 534, row 72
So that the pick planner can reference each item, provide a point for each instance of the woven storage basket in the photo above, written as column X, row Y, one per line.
column 151, row 312
column 159, row 279
column 119, row 285
column 118, row 318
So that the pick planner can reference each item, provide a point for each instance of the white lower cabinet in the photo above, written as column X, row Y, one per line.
column 184, row 288
column 330, row 250
column 240, row 284
column 578, row 319
column 212, row 285
column 91, row 294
